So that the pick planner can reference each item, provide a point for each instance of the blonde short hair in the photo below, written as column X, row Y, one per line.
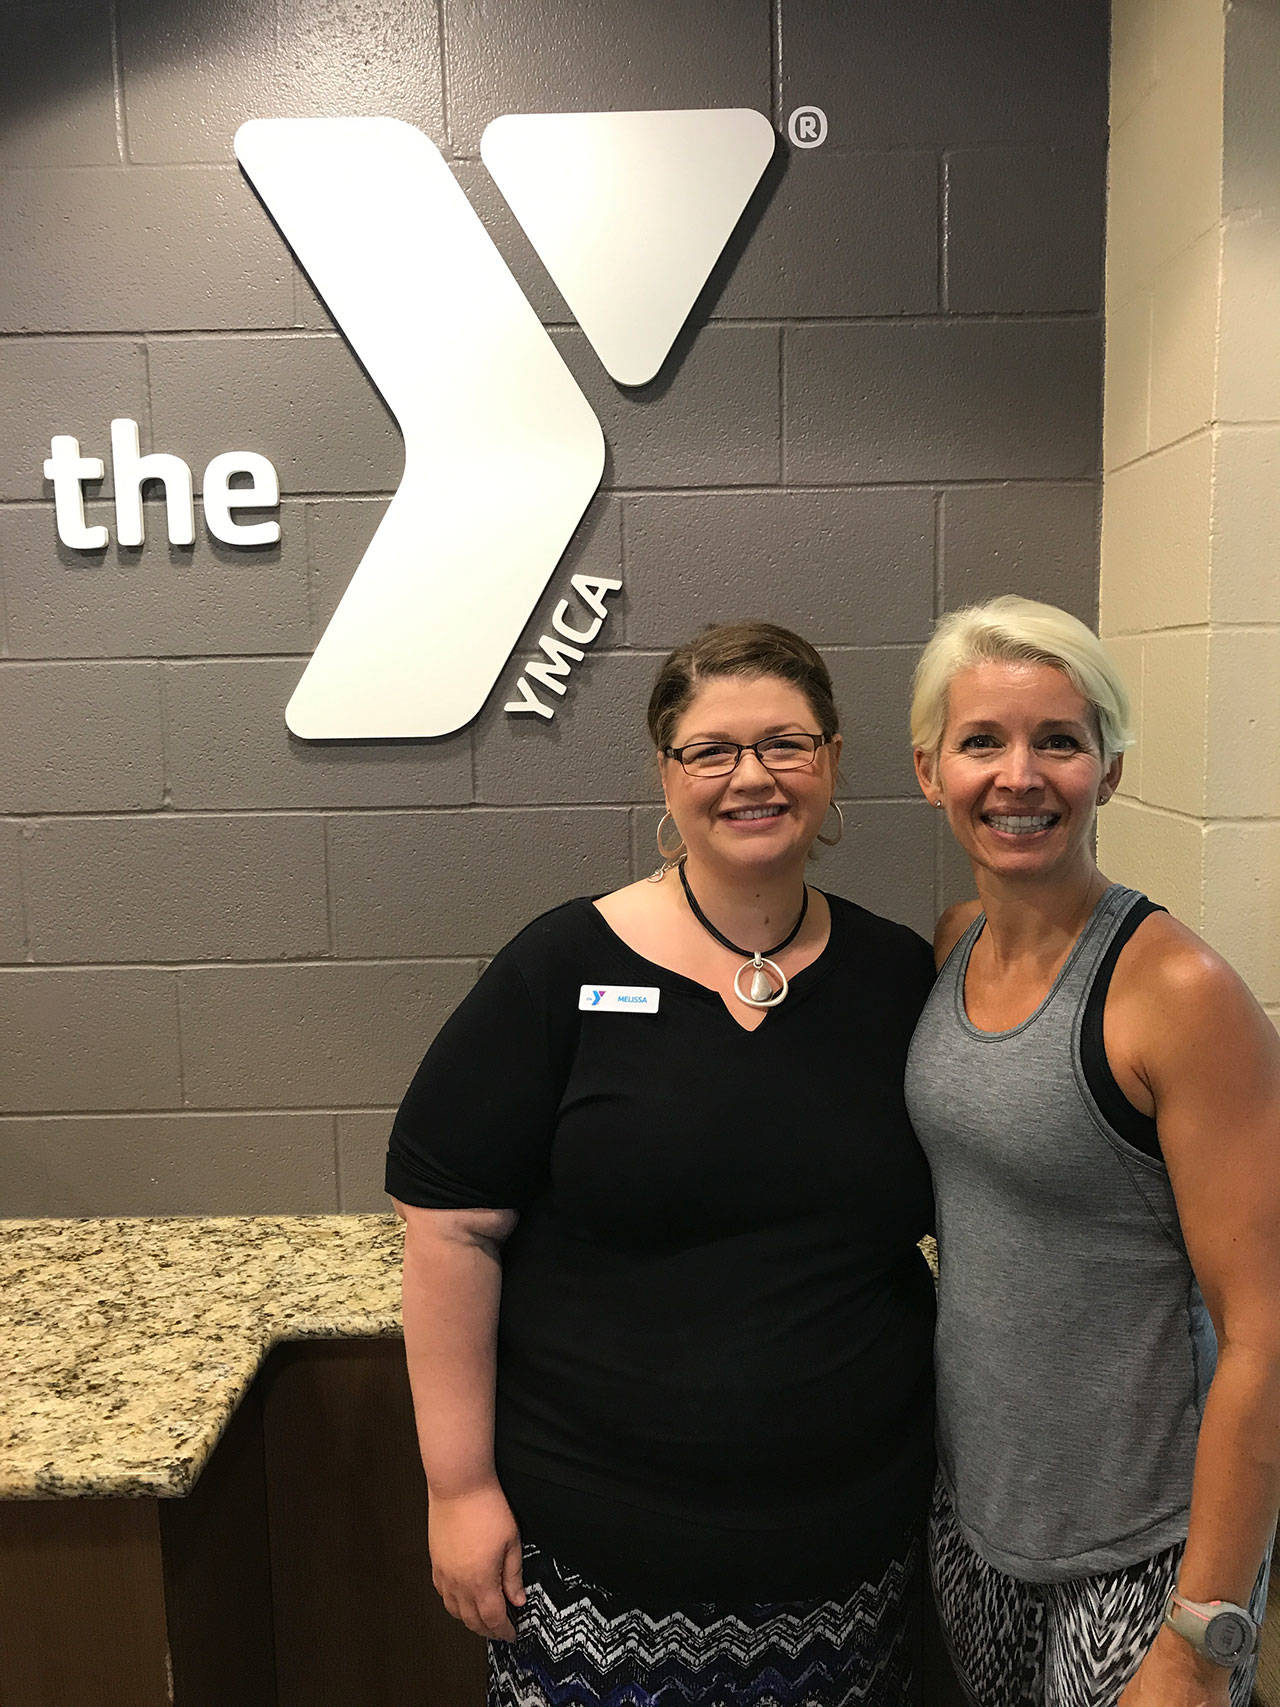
column 1017, row 631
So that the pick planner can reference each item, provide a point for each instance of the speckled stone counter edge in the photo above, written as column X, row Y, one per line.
column 126, row 1345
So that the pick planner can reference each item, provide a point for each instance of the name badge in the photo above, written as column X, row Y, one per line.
column 618, row 999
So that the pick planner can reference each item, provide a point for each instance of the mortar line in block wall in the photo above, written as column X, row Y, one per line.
column 446, row 95
column 718, row 489
column 1201, row 820
column 775, row 63
column 194, row 1112
column 182, row 1053
column 330, row 903
column 64, row 335
column 782, row 406
column 225, row 162
column 410, row 808
column 148, row 424
column 935, row 317
column 294, row 963
column 117, row 85
column 313, row 627
column 166, row 788
column 519, row 808
column 337, row 1161
column 623, row 631
column 840, row 323
column 219, row 334
column 28, row 952
column 355, row 963
column 944, row 233
column 4, row 615
column 939, row 547
column 187, row 660
column 710, row 490
column 214, row 163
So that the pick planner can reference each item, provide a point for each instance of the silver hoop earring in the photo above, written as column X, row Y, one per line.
column 831, row 841
column 671, row 857
column 667, row 852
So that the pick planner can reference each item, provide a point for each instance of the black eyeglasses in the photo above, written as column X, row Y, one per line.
column 790, row 752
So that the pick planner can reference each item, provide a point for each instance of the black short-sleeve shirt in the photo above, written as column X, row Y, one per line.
column 715, row 1337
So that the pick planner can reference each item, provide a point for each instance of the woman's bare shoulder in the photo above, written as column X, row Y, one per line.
column 952, row 923
column 1171, row 993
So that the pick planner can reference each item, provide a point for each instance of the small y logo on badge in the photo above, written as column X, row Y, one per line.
column 807, row 127
column 619, row 999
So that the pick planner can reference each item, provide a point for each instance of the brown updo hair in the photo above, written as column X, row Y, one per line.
column 739, row 649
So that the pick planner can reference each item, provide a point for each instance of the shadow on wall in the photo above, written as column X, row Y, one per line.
column 61, row 60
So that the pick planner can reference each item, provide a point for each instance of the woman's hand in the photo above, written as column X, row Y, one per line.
column 1174, row 1675
column 475, row 1559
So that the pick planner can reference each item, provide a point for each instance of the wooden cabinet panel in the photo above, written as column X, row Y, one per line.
column 217, row 1575
column 356, row 1617
column 82, row 1593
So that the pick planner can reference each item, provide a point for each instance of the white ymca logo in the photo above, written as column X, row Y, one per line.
column 502, row 452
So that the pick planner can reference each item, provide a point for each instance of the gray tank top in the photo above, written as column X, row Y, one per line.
column 1074, row 1349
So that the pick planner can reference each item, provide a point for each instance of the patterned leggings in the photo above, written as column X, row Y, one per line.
column 1068, row 1644
column 578, row 1646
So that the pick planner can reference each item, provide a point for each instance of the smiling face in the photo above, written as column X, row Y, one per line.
column 753, row 818
column 1020, row 770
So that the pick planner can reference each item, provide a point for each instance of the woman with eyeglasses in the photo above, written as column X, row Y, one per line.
column 667, row 1324
column 1099, row 1097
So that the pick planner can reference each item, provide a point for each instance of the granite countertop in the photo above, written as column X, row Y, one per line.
column 126, row 1345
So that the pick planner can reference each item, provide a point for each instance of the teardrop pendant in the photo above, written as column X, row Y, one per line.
column 768, row 982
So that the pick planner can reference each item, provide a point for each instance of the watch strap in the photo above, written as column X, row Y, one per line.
column 1191, row 1619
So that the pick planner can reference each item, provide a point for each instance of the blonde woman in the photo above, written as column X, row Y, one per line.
column 1099, row 1098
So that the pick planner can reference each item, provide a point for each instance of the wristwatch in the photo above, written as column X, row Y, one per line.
column 1219, row 1629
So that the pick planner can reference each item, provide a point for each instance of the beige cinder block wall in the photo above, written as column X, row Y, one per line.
column 1190, row 581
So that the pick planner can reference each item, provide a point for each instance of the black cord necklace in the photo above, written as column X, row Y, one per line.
column 764, row 994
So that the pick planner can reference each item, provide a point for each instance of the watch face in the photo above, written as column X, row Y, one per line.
column 1228, row 1637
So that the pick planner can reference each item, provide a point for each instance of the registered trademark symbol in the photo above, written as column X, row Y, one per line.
column 807, row 127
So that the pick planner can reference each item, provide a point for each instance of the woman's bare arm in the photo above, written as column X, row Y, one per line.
column 1211, row 1060
column 452, row 1287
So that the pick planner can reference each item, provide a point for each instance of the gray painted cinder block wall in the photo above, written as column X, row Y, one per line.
column 222, row 951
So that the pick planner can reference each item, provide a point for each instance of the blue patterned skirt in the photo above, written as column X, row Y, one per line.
column 578, row 1646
